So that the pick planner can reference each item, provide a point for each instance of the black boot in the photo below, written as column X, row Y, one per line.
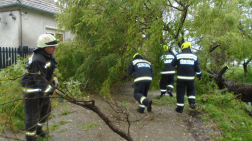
column 162, row 94
column 31, row 138
column 147, row 102
column 40, row 132
column 192, row 105
column 141, row 109
column 179, row 109
column 169, row 91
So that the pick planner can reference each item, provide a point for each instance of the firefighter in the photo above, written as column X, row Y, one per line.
column 36, row 90
column 143, row 73
column 167, row 80
column 187, row 65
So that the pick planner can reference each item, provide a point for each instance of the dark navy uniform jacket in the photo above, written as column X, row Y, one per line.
column 42, row 63
column 168, row 68
column 187, row 65
column 141, row 69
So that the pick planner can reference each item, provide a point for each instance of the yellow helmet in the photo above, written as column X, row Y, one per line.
column 135, row 55
column 165, row 47
column 186, row 45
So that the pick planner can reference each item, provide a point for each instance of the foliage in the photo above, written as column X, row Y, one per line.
column 223, row 25
column 12, row 113
column 237, row 73
column 204, row 85
column 108, row 33
column 229, row 115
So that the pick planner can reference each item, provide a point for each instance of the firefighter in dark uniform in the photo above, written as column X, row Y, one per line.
column 143, row 73
column 167, row 80
column 36, row 90
column 187, row 65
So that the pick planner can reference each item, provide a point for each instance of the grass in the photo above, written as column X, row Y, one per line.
column 87, row 126
column 237, row 73
column 223, row 111
column 228, row 114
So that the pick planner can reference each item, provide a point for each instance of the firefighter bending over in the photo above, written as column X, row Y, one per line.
column 143, row 73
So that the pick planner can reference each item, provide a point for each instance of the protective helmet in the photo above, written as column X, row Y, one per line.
column 135, row 55
column 165, row 47
column 186, row 45
column 46, row 40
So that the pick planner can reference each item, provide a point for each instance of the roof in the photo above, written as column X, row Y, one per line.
column 41, row 5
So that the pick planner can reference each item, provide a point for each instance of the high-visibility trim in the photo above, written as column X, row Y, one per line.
column 170, row 86
column 180, row 104
column 142, row 99
column 187, row 56
column 198, row 73
column 167, row 72
column 31, row 90
column 30, row 133
column 165, row 57
column 30, row 59
column 186, row 77
column 163, row 90
column 141, row 105
column 48, row 64
column 48, row 89
column 40, row 124
column 143, row 78
column 191, row 97
column 169, row 56
column 140, row 60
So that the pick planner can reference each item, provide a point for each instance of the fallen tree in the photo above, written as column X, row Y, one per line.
column 90, row 105
column 242, row 90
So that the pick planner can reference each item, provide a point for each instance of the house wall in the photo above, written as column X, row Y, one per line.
column 9, row 30
column 26, row 28
column 33, row 25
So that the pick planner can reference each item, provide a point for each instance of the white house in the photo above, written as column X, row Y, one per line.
column 22, row 21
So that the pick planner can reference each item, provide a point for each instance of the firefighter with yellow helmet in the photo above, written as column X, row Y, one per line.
column 187, row 66
column 167, row 80
column 143, row 73
column 36, row 90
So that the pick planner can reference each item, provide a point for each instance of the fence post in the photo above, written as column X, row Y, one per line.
column 12, row 56
column 9, row 60
column 15, row 55
column 1, row 58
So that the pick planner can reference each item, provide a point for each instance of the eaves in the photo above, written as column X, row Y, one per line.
column 16, row 5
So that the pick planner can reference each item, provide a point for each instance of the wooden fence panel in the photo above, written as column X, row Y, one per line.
column 8, row 55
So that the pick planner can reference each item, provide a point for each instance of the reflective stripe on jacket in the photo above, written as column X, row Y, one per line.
column 187, row 65
column 168, row 68
column 141, row 69
column 43, row 64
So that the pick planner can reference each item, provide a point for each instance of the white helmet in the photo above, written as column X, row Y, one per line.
column 46, row 40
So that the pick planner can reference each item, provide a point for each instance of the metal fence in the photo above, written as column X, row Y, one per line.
column 8, row 55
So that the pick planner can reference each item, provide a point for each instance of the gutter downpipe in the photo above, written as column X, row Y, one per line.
column 21, row 29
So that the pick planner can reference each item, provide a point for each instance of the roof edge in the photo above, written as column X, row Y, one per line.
column 25, row 6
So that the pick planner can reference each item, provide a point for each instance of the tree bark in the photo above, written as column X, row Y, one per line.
column 242, row 90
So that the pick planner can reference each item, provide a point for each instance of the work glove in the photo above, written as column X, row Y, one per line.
column 199, row 75
column 55, row 82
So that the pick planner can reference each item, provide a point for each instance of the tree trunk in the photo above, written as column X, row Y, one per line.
column 242, row 90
